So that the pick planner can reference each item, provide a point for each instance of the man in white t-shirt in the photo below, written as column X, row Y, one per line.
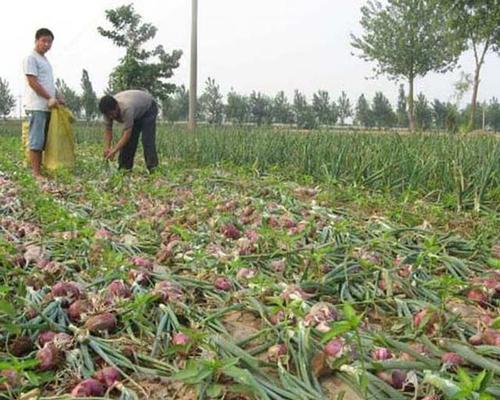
column 40, row 96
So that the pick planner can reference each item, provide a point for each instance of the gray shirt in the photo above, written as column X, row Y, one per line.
column 133, row 105
column 37, row 65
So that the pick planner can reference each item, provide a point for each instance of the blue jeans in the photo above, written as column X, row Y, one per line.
column 39, row 124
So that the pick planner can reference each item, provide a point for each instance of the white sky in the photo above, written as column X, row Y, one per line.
column 265, row 45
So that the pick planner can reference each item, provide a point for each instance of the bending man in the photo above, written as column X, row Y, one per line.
column 136, row 110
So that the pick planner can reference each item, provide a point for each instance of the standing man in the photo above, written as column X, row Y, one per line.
column 40, row 96
column 136, row 110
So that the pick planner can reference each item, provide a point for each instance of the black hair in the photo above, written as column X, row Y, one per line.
column 43, row 32
column 107, row 103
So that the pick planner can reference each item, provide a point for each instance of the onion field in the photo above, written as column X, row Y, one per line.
column 255, row 263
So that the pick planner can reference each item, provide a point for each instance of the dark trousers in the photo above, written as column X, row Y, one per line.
column 147, row 125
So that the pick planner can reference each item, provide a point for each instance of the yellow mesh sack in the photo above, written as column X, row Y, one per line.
column 60, row 146
column 25, row 132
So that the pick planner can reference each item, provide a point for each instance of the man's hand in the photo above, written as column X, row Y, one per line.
column 53, row 102
column 109, row 154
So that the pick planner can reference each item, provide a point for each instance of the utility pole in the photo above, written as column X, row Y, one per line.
column 194, row 60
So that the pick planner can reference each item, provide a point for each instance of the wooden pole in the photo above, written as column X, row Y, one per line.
column 194, row 59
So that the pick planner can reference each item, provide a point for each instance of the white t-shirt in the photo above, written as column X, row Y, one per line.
column 38, row 65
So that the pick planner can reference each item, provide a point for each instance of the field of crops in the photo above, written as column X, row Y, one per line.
column 254, row 264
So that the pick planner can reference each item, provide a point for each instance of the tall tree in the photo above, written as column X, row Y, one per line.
column 452, row 118
column 322, row 108
column 343, row 107
column 237, row 107
column 71, row 98
column 211, row 105
column 383, row 114
column 303, row 112
column 88, row 98
column 477, row 23
column 260, row 108
column 363, row 115
column 281, row 109
column 423, row 113
column 493, row 114
column 406, row 39
column 7, row 100
column 439, row 114
column 402, row 112
column 176, row 107
column 139, row 68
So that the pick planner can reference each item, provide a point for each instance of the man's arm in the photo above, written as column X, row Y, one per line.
column 108, row 137
column 121, row 143
column 35, row 85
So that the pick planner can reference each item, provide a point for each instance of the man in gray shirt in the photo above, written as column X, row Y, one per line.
column 40, row 96
column 136, row 111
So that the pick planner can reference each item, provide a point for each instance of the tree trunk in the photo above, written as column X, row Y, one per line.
column 411, row 114
column 473, row 105
column 475, row 87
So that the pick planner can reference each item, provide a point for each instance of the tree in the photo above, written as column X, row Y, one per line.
column 406, row 39
column 139, row 68
column 477, row 23
column 439, row 114
column 478, row 116
column 452, row 118
column 493, row 114
column 343, row 107
column 237, row 107
column 322, row 108
column 363, row 115
column 88, row 98
column 71, row 98
column 383, row 115
column 176, row 107
column 211, row 105
column 281, row 109
column 260, row 108
column 402, row 112
column 423, row 113
column 303, row 112
column 7, row 100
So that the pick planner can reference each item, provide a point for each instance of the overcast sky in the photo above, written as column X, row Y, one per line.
column 264, row 45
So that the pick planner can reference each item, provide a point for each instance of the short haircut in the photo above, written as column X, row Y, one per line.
column 107, row 103
column 43, row 32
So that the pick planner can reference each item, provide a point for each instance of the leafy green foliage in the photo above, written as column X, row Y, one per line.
column 402, row 109
column 343, row 107
column 176, row 107
column 476, row 25
column 281, row 109
column 237, row 107
column 363, row 115
column 260, row 108
column 7, row 100
column 382, row 113
column 406, row 39
column 423, row 113
column 71, row 98
column 211, row 105
column 139, row 68
column 324, row 110
column 304, row 114
column 88, row 98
